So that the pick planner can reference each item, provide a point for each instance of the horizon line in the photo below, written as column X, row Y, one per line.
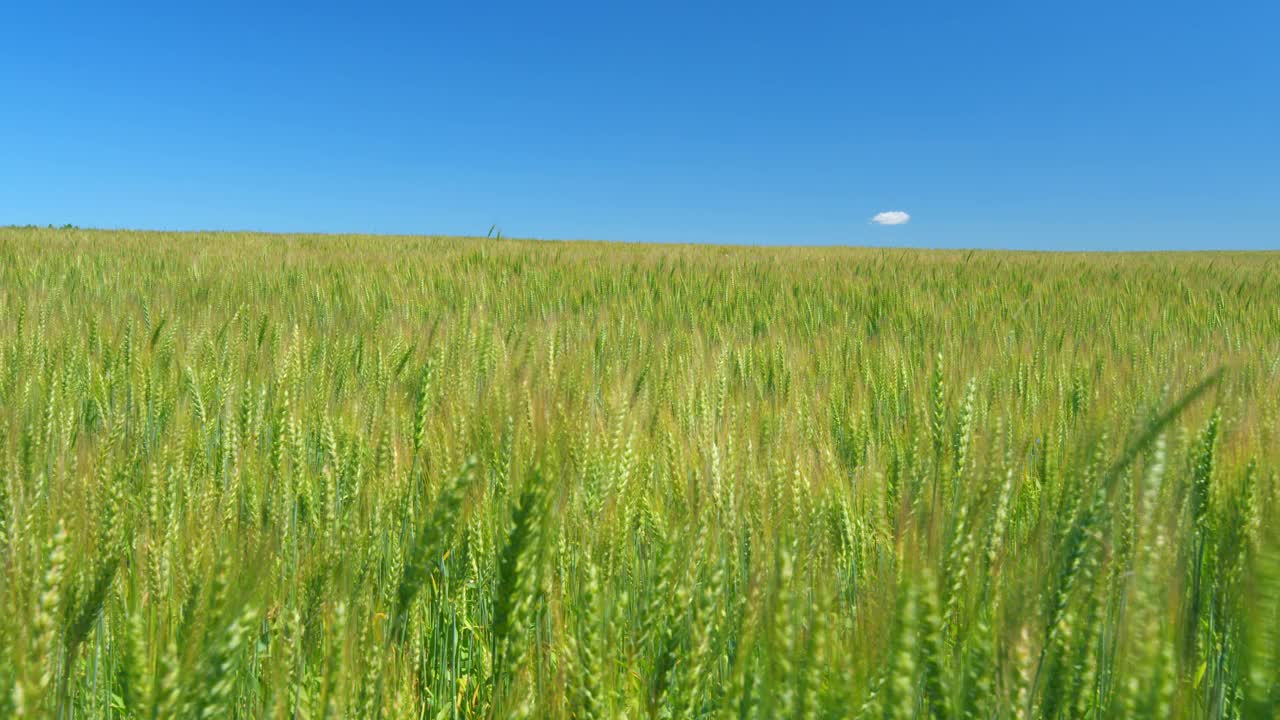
column 642, row 243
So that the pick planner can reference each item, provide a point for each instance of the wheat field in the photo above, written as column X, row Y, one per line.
column 276, row 476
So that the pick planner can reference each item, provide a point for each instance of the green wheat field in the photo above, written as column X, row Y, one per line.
column 279, row 476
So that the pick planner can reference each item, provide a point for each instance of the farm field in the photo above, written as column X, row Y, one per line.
column 289, row 476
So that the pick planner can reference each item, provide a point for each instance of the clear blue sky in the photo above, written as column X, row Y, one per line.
column 1086, row 125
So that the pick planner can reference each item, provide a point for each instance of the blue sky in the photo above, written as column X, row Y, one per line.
column 1122, row 125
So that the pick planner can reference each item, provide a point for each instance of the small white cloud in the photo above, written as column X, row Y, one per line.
column 891, row 217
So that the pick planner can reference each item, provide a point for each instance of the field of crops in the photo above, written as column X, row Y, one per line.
column 336, row 476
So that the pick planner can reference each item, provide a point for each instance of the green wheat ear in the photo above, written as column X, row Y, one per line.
column 430, row 541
